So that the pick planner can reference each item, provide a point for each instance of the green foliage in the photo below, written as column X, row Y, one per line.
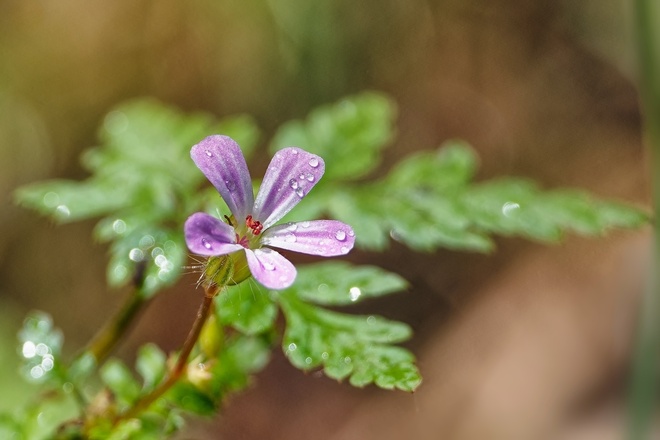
column 358, row 347
column 247, row 307
column 428, row 201
column 143, row 185
column 348, row 135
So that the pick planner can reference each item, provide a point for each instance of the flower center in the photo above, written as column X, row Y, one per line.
column 254, row 225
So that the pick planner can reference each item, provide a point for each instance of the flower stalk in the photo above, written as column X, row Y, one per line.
column 210, row 291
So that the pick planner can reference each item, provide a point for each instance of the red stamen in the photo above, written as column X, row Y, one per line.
column 254, row 225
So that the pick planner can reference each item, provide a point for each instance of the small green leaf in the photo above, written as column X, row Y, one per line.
column 188, row 397
column 339, row 283
column 452, row 166
column 67, row 201
column 120, row 381
column 346, row 345
column 246, row 307
column 348, row 135
column 151, row 364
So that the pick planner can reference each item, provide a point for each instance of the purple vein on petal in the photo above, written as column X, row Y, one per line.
column 222, row 162
column 206, row 235
column 292, row 173
column 319, row 237
column 270, row 268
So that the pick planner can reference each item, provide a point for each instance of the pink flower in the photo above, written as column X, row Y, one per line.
column 251, row 229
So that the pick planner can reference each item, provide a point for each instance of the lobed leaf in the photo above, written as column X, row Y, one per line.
column 340, row 283
column 349, row 135
column 347, row 346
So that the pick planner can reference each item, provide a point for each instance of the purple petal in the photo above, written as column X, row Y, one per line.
column 320, row 237
column 290, row 176
column 206, row 235
column 270, row 268
column 222, row 162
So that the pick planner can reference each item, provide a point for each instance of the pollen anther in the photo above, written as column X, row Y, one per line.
column 254, row 225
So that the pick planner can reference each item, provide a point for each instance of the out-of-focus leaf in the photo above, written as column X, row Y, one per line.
column 246, row 307
column 118, row 378
column 346, row 345
column 188, row 397
column 340, row 283
column 150, row 363
column 348, row 135
column 428, row 202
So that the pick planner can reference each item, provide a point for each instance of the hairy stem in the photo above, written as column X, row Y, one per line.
column 182, row 361
column 645, row 362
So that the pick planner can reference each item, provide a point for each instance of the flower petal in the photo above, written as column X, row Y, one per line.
column 270, row 268
column 290, row 176
column 206, row 235
column 222, row 162
column 320, row 237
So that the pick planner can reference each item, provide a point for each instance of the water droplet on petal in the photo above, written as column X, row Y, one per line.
column 292, row 227
column 351, row 233
column 344, row 250
column 231, row 186
column 313, row 162
column 300, row 192
column 267, row 265
column 340, row 235
column 310, row 177
column 290, row 238
column 321, row 242
column 294, row 151
column 206, row 244
column 293, row 184
column 301, row 177
column 305, row 224
column 208, row 153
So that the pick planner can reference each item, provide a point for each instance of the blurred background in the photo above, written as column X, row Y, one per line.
column 532, row 342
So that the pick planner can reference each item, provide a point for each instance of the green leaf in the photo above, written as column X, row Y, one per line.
column 67, row 201
column 244, row 355
column 188, row 397
column 247, row 307
column 451, row 166
column 348, row 135
column 340, row 283
column 119, row 379
column 428, row 201
column 347, row 346
column 151, row 364
column 157, row 254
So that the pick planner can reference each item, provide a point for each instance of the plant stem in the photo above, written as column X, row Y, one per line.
column 182, row 361
column 645, row 362
column 106, row 339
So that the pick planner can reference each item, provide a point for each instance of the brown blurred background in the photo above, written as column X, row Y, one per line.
column 532, row 342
